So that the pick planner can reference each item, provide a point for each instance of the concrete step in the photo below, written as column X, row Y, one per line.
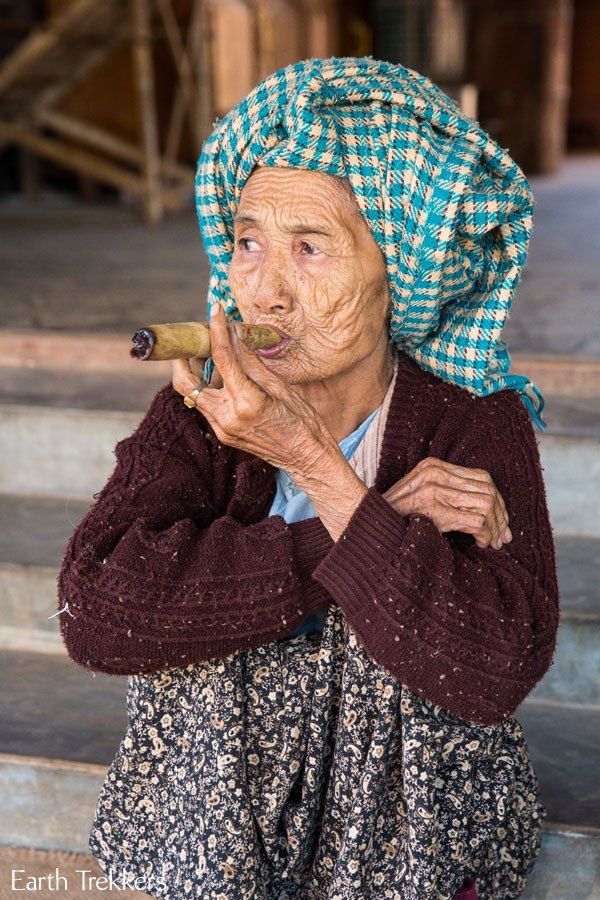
column 563, row 853
column 59, row 452
column 573, row 415
column 47, row 803
column 74, row 352
column 37, row 529
column 59, row 424
column 102, row 349
column 574, row 675
column 60, row 727
column 96, row 372
column 32, row 542
column 563, row 741
column 90, row 390
column 57, row 438
column 572, row 477
column 568, row 867
column 53, row 709
column 59, row 427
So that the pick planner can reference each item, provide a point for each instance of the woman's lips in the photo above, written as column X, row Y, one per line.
column 276, row 350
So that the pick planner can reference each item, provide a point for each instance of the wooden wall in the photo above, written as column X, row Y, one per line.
column 108, row 98
column 584, row 104
column 519, row 58
column 248, row 40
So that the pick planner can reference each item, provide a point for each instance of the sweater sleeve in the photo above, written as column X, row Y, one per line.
column 154, row 577
column 471, row 629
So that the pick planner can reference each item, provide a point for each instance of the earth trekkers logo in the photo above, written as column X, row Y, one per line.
column 85, row 880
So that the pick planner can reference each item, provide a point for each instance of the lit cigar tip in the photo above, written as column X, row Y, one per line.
column 143, row 343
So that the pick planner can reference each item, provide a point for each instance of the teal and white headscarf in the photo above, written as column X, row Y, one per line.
column 449, row 208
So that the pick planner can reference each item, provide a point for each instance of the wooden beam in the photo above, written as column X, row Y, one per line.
column 195, row 37
column 144, row 75
column 101, row 140
column 184, row 70
column 200, row 54
column 51, row 38
column 57, row 90
column 72, row 158
column 42, row 40
column 173, row 199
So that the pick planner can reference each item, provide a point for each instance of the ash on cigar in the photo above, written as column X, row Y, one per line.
column 143, row 343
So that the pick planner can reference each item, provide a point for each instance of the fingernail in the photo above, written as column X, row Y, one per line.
column 214, row 310
column 508, row 534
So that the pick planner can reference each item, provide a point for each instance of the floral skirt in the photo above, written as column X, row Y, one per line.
column 303, row 769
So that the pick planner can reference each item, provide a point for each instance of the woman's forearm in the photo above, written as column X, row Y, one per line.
column 157, row 575
column 333, row 487
column 470, row 628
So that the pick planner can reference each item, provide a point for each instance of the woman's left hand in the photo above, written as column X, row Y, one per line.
column 254, row 409
column 455, row 498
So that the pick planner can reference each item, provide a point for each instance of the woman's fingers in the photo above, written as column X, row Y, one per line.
column 418, row 478
column 504, row 510
column 222, row 352
column 215, row 379
column 501, row 519
column 183, row 377
column 446, row 492
column 479, row 511
column 449, row 518
column 197, row 366
column 476, row 474
column 437, row 472
column 485, row 504
column 498, row 512
column 469, row 523
column 431, row 467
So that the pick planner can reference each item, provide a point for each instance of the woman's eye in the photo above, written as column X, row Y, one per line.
column 243, row 242
column 309, row 249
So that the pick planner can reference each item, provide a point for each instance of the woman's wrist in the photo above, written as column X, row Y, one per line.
column 332, row 486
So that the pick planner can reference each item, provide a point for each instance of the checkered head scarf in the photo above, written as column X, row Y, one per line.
column 449, row 208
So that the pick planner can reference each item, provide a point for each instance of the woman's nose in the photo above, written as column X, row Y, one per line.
column 273, row 292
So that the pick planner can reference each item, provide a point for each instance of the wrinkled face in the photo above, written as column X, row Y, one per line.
column 306, row 262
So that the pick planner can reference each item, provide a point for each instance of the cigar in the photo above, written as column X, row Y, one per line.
column 182, row 340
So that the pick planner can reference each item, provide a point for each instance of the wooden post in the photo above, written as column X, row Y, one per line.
column 106, row 143
column 186, row 88
column 524, row 107
column 200, row 52
column 193, row 101
column 29, row 175
column 144, row 75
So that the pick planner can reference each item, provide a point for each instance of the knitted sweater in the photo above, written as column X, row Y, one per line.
column 177, row 561
column 293, row 504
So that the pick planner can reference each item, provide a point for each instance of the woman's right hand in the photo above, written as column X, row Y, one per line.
column 455, row 498
column 187, row 375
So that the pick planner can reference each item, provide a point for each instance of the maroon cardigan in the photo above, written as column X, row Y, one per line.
column 177, row 561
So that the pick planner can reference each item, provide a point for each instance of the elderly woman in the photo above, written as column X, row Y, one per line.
column 327, row 568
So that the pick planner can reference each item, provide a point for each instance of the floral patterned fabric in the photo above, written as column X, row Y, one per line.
column 302, row 769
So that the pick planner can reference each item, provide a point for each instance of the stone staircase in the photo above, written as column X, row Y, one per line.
column 60, row 725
